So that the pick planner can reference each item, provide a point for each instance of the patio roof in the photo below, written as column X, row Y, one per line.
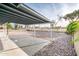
column 20, row 13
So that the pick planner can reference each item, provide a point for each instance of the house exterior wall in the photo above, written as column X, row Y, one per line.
column 76, row 44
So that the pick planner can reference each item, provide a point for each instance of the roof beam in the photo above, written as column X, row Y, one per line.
column 18, row 12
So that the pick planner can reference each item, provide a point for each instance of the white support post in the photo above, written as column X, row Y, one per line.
column 4, row 29
column 7, row 30
column 39, row 27
column 34, row 32
column 51, row 31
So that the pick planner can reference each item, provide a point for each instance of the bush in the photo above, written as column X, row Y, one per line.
column 73, row 27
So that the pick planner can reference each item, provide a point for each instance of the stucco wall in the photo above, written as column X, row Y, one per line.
column 76, row 43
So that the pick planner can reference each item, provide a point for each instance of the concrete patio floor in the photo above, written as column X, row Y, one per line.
column 27, row 43
column 8, row 47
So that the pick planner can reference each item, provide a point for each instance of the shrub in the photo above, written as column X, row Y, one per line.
column 73, row 27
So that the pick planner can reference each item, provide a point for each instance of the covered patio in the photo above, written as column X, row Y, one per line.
column 21, row 14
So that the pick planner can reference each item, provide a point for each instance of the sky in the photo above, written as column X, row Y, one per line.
column 52, row 10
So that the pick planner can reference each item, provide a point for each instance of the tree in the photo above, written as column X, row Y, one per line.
column 9, row 25
column 74, row 16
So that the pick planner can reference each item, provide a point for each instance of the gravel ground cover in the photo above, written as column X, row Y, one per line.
column 59, row 47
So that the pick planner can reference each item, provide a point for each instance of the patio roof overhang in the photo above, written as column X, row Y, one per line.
column 20, row 13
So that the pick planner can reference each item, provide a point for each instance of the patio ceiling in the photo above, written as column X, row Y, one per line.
column 20, row 13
